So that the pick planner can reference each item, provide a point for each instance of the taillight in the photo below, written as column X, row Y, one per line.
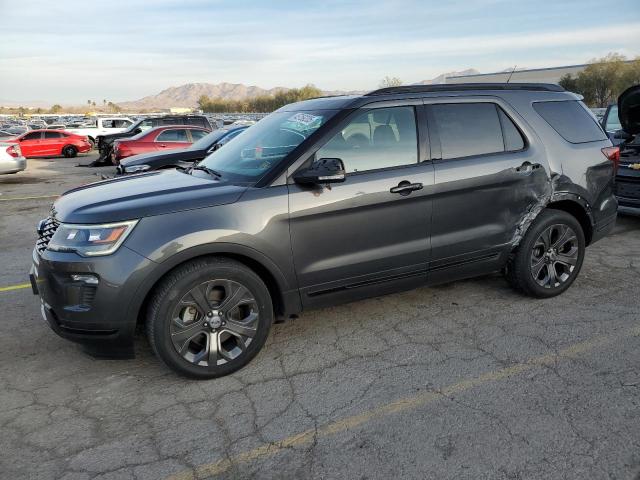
column 613, row 154
column 14, row 151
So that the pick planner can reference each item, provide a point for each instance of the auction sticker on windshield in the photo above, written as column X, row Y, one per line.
column 303, row 121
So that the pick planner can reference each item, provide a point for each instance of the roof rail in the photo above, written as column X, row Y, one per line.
column 460, row 87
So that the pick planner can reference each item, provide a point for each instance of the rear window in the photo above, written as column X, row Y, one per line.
column 571, row 120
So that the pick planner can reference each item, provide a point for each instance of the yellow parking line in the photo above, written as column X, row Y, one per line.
column 401, row 405
column 27, row 198
column 15, row 287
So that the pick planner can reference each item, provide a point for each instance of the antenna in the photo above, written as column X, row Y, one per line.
column 511, row 74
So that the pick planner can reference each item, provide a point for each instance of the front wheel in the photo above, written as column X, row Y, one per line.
column 69, row 151
column 550, row 256
column 209, row 317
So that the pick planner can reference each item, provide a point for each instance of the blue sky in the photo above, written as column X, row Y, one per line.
column 68, row 51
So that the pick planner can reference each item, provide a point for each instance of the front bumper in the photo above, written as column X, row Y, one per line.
column 95, row 315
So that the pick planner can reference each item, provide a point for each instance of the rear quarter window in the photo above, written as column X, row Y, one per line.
column 571, row 120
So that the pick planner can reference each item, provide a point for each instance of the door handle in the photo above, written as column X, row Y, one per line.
column 527, row 167
column 162, row 146
column 405, row 187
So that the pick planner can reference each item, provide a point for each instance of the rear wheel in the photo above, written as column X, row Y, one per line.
column 209, row 317
column 550, row 256
column 92, row 142
column 69, row 151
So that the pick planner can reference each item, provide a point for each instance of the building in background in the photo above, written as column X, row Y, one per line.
column 541, row 75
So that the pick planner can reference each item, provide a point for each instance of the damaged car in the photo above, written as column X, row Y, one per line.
column 326, row 201
column 622, row 123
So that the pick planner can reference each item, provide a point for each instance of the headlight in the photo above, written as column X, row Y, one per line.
column 137, row 168
column 90, row 240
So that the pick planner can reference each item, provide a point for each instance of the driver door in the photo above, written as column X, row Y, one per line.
column 31, row 144
column 365, row 236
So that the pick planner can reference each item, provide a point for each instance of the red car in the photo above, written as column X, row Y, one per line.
column 51, row 143
column 157, row 139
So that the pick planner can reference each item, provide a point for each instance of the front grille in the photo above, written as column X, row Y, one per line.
column 45, row 233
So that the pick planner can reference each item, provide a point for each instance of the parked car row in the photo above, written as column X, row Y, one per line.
column 106, row 142
column 182, row 157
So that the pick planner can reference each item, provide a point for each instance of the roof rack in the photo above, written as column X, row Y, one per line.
column 461, row 87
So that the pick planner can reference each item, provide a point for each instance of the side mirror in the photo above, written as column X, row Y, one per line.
column 325, row 170
column 138, row 130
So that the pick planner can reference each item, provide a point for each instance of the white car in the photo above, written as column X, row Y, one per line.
column 103, row 126
column 11, row 159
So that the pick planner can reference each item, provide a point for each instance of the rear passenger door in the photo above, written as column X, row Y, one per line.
column 370, row 234
column 487, row 177
column 52, row 143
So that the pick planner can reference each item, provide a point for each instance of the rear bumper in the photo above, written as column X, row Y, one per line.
column 603, row 228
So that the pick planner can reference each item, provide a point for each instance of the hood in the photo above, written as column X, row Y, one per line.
column 629, row 110
column 145, row 195
column 182, row 155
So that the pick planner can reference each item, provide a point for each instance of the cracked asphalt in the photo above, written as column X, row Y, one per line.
column 467, row 380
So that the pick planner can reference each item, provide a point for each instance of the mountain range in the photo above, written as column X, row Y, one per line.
column 187, row 95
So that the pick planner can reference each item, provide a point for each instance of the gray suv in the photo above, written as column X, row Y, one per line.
column 326, row 201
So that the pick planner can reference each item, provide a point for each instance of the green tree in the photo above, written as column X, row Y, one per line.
column 390, row 82
column 569, row 83
column 259, row 104
column 600, row 80
column 55, row 108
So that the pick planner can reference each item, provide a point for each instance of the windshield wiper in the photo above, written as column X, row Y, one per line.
column 208, row 170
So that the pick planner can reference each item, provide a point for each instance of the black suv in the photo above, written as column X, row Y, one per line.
column 326, row 201
column 105, row 142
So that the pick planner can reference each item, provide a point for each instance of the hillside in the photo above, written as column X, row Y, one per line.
column 187, row 95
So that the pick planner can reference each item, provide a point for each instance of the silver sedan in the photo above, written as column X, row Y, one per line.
column 11, row 159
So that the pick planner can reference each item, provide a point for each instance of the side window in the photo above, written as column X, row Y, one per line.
column 52, row 135
column 374, row 139
column 107, row 124
column 173, row 135
column 571, row 120
column 612, row 122
column 513, row 140
column 32, row 136
column 121, row 123
column 146, row 125
column 468, row 129
column 197, row 134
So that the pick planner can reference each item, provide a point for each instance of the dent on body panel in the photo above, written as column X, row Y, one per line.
column 540, row 189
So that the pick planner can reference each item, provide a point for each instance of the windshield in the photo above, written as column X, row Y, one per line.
column 613, row 122
column 264, row 145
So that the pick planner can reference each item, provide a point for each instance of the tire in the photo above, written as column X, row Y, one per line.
column 92, row 142
column 549, row 257
column 181, row 334
column 69, row 151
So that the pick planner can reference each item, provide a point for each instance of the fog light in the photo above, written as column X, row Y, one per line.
column 86, row 278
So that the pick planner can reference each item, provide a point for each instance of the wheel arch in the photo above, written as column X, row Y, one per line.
column 577, row 207
column 286, row 299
